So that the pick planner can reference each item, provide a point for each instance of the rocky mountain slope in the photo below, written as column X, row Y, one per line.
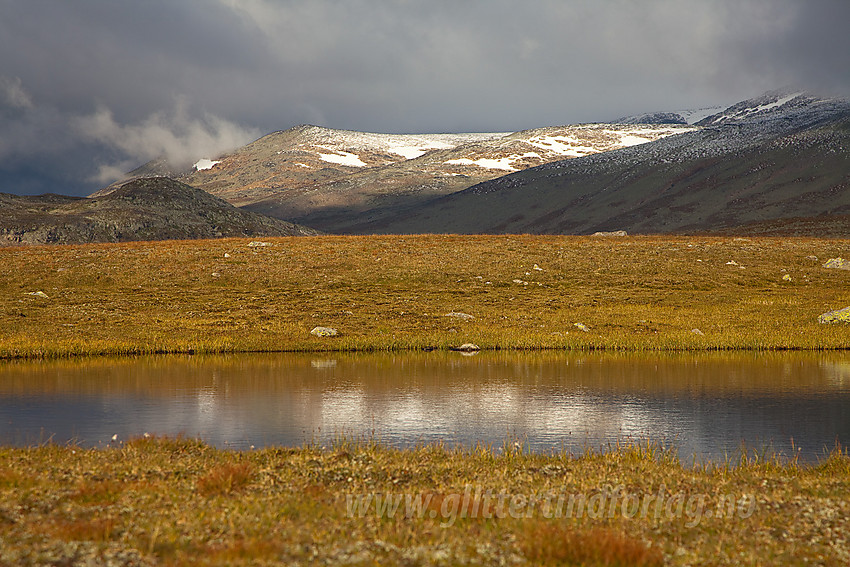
column 337, row 180
column 154, row 208
column 779, row 156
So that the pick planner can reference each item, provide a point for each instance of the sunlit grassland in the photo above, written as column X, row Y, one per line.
column 393, row 292
column 182, row 502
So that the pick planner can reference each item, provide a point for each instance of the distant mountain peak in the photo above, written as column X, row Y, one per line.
column 781, row 103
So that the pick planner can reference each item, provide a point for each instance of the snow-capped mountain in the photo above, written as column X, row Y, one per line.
column 333, row 179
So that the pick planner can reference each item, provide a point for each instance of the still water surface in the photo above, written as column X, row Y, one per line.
column 707, row 405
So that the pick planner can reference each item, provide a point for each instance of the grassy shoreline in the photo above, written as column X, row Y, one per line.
column 181, row 502
column 395, row 293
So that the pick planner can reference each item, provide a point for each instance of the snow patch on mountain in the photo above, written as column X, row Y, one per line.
column 693, row 116
column 342, row 158
column 569, row 146
column 407, row 146
column 205, row 163
column 765, row 107
column 643, row 135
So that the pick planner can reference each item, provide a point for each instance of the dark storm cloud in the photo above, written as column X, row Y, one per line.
column 94, row 87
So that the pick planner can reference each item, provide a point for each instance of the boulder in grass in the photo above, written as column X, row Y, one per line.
column 468, row 347
column 459, row 315
column 838, row 264
column 324, row 332
column 837, row 316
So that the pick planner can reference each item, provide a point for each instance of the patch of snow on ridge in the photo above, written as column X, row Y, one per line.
column 407, row 146
column 343, row 158
column 413, row 152
column 205, row 163
column 562, row 145
column 694, row 116
column 761, row 108
column 644, row 135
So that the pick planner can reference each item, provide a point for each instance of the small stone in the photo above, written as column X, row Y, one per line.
column 324, row 332
column 115, row 437
column 38, row 294
column 611, row 233
column 837, row 316
column 538, row 268
column 459, row 315
column 258, row 243
column 215, row 274
column 698, row 332
column 226, row 255
column 731, row 263
column 813, row 258
column 786, row 278
column 468, row 347
column 838, row 264
column 582, row 327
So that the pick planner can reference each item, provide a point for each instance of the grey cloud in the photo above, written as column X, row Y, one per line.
column 13, row 93
column 241, row 67
column 174, row 135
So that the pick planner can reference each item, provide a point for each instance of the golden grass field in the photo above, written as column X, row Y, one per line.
column 181, row 502
column 393, row 292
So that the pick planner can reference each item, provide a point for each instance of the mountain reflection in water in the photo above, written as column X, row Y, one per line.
column 706, row 404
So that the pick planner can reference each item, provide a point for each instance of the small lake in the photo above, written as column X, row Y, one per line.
column 707, row 405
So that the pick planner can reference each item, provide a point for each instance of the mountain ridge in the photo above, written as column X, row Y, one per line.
column 785, row 160
column 333, row 179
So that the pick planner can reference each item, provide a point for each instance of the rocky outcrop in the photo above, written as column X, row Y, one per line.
column 837, row 316
column 156, row 208
column 837, row 263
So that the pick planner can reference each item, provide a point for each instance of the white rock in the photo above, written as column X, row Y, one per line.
column 38, row 294
column 837, row 263
column 324, row 332
column 459, row 315
column 258, row 243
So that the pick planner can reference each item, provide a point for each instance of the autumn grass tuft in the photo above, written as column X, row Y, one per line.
column 552, row 544
column 226, row 479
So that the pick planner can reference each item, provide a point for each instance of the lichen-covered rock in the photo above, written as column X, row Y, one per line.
column 459, row 315
column 838, row 264
column 324, row 332
column 837, row 316
column 468, row 347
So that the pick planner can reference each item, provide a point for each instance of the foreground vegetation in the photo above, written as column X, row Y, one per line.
column 181, row 502
column 394, row 292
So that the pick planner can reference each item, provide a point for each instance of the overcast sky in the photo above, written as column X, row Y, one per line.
column 90, row 89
